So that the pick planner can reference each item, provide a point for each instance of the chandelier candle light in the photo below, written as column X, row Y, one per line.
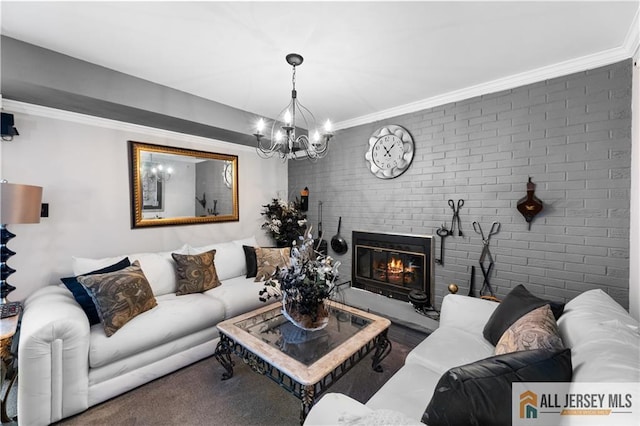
column 283, row 141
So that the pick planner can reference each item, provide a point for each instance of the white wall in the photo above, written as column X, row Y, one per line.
column 82, row 164
column 634, row 249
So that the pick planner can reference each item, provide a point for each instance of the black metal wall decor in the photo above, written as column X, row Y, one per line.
column 530, row 205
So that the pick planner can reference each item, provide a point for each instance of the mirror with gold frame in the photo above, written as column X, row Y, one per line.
column 178, row 186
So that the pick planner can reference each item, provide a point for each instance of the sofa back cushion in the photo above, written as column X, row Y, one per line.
column 603, row 337
column 159, row 268
column 230, row 259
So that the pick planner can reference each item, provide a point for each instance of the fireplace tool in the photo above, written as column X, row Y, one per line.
column 321, row 246
column 456, row 216
column 443, row 233
column 420, row 301
column 486, row 255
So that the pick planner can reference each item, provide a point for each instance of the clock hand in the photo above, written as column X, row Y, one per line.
column 388, row 150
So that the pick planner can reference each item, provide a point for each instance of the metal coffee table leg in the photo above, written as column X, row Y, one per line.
column 383, row 348
column 223, row 355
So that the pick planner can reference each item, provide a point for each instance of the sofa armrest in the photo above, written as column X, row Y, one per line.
column 467, row 313
column 53, row 358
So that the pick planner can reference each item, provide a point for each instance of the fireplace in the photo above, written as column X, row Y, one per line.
column 393, row 264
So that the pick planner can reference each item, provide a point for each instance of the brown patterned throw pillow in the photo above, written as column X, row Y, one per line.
column 536, row 330
column 120, row 296
column 269, row 259
column 196, row 272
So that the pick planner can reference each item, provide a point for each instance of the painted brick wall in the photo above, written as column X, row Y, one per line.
column 571, row 135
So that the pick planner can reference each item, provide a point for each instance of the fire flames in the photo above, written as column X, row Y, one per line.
column 394, row 266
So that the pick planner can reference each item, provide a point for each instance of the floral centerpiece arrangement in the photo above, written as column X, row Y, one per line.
column 285, row 221
column 304, row 285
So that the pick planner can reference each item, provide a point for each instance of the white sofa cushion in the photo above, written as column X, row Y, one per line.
column 173, row 318
column 229, row 260
column 603, row 337
column 590, row 310
column 331, row 406
column 239, row 295
column 466, row 313
column 157, row 353
column 159, row 268
column 408, row 391
column 449, row 347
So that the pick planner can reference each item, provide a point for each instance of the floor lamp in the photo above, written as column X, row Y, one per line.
column 18, row 204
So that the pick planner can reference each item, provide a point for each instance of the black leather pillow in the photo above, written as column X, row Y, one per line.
column 82, row 296
column 250, row 259
column 517, row 303
column 480, row 393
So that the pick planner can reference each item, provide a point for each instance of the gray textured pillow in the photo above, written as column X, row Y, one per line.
column 196, row 272
column 536, row 330
column 269, row 259
column 120, row 296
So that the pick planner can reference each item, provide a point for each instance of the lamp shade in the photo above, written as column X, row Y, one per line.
column 19, row 203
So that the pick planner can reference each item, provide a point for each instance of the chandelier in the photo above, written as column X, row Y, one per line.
column 156, row 171
column 311, row 144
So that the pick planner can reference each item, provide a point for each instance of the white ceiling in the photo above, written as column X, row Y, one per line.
column 362, row 59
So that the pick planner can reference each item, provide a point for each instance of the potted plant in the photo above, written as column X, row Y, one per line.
column 304, row 285
column 285, row 221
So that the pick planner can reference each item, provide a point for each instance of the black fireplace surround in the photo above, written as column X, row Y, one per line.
column 393, row 264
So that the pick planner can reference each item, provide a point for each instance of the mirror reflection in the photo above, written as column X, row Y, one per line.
column 176, row 186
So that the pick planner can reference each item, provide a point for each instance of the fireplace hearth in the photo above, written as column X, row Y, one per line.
column 393, row 265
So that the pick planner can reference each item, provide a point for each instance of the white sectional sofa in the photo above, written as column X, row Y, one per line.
column 66, row 365
column 603, row 338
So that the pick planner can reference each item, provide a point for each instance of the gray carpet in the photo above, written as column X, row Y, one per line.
column 195, row 395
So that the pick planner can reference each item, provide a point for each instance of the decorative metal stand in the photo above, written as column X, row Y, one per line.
column 306, row 393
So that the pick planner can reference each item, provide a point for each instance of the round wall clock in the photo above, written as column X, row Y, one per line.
column 227, row 174
column 390, row 151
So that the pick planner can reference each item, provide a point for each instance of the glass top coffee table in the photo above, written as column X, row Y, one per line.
column 304, row 363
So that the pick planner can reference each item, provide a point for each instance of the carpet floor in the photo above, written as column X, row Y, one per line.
column 196, row 395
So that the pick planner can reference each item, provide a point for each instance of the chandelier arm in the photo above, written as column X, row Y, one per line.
column 284, row 141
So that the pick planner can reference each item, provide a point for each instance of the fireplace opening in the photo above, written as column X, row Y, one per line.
column 392, row 264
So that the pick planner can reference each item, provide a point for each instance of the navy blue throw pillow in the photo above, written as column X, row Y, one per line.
column 83, row 297
column 250, row 259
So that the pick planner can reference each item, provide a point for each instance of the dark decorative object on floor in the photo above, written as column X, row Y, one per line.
column 285, row 221
column 304, row 285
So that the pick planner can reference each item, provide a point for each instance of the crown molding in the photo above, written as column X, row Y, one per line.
column 628, row 49
column 90, row 120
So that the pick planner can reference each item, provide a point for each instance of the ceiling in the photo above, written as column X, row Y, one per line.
column 362, row 59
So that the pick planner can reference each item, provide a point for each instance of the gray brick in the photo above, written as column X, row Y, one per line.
column 572, row 134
